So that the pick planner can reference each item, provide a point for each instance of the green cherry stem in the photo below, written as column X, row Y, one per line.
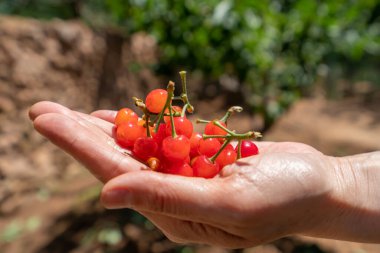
column 202, row 121
column 170, row 90
column 183, row 113
column 140, row 104
column 174, row 134
column 225, row 143
column 234, row 136
column 229, row 112
column 183, row 80
column 248, row 135
column 184, row 96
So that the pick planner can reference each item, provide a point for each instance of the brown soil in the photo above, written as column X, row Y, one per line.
column 48, row 202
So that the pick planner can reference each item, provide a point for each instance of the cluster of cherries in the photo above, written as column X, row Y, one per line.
column 164, row 139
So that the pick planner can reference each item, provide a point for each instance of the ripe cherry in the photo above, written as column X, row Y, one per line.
column 125, row 115
column 212, row 129
column 248, row 148
column 182, row 126
column 194, row 143
column 145, row 147
column 203, row 167
column 227, row 156
column 209, row 146
column 176, row 109
column 156, row 100
column 176, row 148
column 178, row 168
column 160, row 135
column 128, row 133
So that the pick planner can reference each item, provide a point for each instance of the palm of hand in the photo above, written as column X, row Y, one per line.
column 253, row 201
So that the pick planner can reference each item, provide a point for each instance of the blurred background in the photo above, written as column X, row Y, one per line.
column 306, row 71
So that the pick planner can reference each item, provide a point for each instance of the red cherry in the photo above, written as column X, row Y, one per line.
column 155, row 100
column 203, row 167
column 179, row 168
column 176, row 148
column 212, row 129
column 125, row 115
column 142, row 123
column 161, row 134
column 248, row 148
column 194, row 143
column 175, row 109
column 227, row 156
column 145, row 147
column 182, row 125
column 128, row 133
column 209, row 146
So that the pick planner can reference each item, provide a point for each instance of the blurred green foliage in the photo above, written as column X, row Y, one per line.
column 272, row 48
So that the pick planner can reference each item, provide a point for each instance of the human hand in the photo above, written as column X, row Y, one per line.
column 284, row 190
column 87, row 138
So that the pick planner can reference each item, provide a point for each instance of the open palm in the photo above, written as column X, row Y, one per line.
column 254, row 200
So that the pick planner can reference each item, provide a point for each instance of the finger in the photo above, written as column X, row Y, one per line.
column 50, row 107
column 185, row 232
column 176, row 196
column 98, row 154
column 107, row 115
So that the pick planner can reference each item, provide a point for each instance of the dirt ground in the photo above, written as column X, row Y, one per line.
column 49, row 203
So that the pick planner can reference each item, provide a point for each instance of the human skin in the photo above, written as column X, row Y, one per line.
column 287, row 189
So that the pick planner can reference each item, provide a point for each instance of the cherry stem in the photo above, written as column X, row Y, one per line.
column 239, row 150
column 229, row 112
column 202, row 121
column 225, row 143
column 184, row 110
column 140, row 104
column 170, row 90
column 247, row 135
column 184, row 96
column 217, row 123
column 147, row 117
column 174, row 134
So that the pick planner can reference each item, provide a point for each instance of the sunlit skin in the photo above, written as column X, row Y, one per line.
column 288, row 188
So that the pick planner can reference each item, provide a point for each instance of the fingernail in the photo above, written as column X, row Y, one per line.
column 116, row 198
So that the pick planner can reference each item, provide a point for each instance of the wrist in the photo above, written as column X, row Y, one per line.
column 352, row 207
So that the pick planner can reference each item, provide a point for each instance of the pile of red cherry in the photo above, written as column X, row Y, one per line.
column 164, row 139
